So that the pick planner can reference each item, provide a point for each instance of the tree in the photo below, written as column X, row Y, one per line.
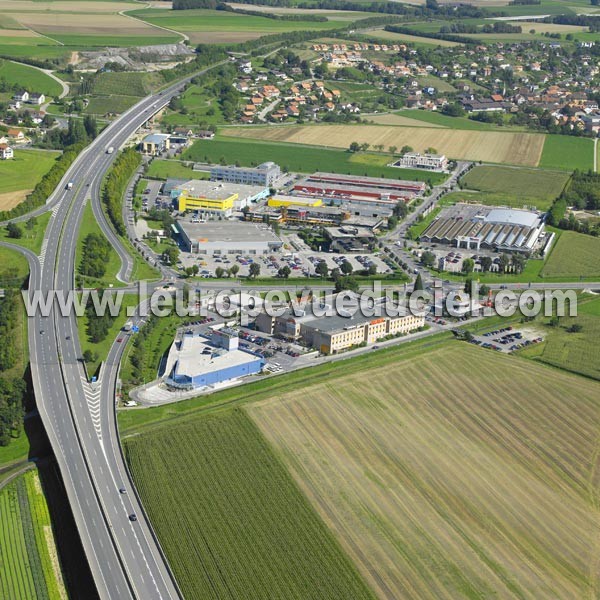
column 322, row 269
column 254, row 270
column 418, row 283
column 346, row 283
column 365, row 146
column 518, row 262
column 428, row 259
column 406, row 149
column 468, row 265
column 171, row 255
column 219, row 272
column 354, row 147
column 235, row 269
column 486, row 263
column 430, row 150
column 346, row 268
column 284, row 272
column 575, row 328
column 372, row 270
column 195, row 270
column 31, row 223
column 392, row 149
column 89, row 356
column 503, row 262
column 14, row 231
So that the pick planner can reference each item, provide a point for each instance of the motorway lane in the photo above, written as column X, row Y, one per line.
column 124, row 559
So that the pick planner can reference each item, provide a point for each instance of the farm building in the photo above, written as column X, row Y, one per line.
column 227, row 237
column 195, row 361
column 476, row 226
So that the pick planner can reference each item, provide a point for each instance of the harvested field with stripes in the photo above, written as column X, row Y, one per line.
column 456, row 474
column 489, row 146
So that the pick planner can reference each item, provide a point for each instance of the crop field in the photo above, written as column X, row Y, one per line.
column 20, row 175
column 568, row 153
column 94, row 23
column 490, row 146
column 478, row 481
column 29, row 565
column 520, row 186
column 210, row 26
column 29, row 78
column 398, row 120
column 244, row 530
column 574, row 255
column 296, row 158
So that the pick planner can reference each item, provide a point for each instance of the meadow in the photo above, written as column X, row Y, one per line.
column 471, row 488
column 29, row 78
column 102, row 105
column 574, row 255
column 29, row 566
column 572, row 351
column 489, row 146
column 568, row 153
column 163, row 169
column 298, row 158
column 20, row 175
column 244, row 529
column 515, row 186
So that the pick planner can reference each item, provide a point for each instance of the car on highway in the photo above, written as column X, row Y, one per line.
column 119, row 340
column 132, row 517
column 122, row 490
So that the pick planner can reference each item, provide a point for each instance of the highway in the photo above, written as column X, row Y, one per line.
column 78, row 416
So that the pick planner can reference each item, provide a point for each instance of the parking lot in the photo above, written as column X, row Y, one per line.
column 507, row 339
column 301, row 264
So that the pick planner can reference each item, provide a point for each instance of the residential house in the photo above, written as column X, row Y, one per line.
column 38, row 99
column 6, row 152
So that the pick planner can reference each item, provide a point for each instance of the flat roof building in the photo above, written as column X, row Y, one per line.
column 216, row 198
column 227, row 237
column 279, row 201
column 194, row 362
column 265, row 174
column 429, row 162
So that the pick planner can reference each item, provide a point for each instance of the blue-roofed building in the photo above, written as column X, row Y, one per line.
column 155, row 143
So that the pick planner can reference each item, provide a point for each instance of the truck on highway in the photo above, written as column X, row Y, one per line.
column 70, row 185
column 110, row 150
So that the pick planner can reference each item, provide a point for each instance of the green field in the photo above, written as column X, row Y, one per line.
column 568, row 153
column 25, row 170
column 436, row 118
column 28, row 566
column 515, row 187
column 101, row 105
column 574, row 255
column 12, row 261
column 574, row 352
column 134, row 83
column 163, row 169
column 304, row 159
column 29, row 78
column 100, row 41
column 244, row 529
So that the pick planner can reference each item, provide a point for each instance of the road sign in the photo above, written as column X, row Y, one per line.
column 135, row 328
column 94, row 379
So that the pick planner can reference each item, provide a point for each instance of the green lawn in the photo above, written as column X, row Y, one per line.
column 230, row 518
column 25, row 170
column 516, row 186
column 163, row 169
column 32, row 238
column 11, row 262
column 574, row 255
column 295, row 157
column 118, row 41
column 26, row 568
column 29, row 78
column 568, row 153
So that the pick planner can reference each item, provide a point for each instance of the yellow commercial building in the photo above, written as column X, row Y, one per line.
column 189, row 201
column 286, row 201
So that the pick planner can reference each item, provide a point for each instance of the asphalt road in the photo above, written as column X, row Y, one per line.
column 79, row 416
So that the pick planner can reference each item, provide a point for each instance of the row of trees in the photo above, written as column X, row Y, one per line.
column 114, row 186
column 506, row 262
column 98, row 325
column 12, row 395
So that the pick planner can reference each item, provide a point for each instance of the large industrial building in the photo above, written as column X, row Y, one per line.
column 364, row 192
column 265, row 174
column 218, row 238
column 195, row 361
column 210, row 198
column 475, row 226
